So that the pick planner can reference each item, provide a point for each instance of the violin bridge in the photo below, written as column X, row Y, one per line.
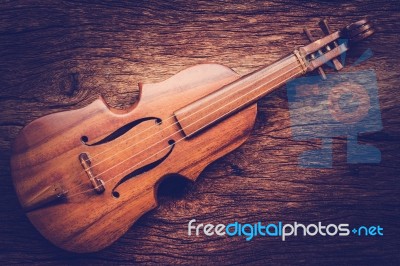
column 97, row 183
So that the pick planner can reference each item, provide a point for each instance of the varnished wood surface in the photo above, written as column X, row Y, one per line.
column 217, row 106
column 46, row 154
column 58, row 56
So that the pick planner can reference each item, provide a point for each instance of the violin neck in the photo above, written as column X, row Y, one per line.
column 239, row 94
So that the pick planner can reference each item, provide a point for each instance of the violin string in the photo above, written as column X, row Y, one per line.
column 97, row 175
column 134, row 166
column 137, row 134
column 145, row 130
column 126, row 159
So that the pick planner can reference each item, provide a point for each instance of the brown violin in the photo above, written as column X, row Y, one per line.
column 85, row 176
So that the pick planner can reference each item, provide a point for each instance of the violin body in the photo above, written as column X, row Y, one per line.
column 85, row 176
column 130, row 150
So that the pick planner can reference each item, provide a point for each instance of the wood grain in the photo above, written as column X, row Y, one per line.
column 48, row 151
column 217, row 106
column 58, row 56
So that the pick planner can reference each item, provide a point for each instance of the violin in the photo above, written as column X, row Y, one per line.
column 84, row 176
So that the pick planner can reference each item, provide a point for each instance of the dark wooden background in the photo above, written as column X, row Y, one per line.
column 58, row 55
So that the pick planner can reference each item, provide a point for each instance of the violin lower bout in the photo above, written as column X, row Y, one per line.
column 47, row 151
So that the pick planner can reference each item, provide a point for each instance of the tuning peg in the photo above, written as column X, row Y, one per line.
column 311, row 39
column 326, row 30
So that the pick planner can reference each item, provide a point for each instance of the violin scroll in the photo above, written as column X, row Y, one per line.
column 358, row 31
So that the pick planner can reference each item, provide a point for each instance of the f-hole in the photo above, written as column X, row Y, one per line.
column 143, row 169
column 120, row 131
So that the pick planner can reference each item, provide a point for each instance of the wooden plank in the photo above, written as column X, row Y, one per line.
column 58, row 56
